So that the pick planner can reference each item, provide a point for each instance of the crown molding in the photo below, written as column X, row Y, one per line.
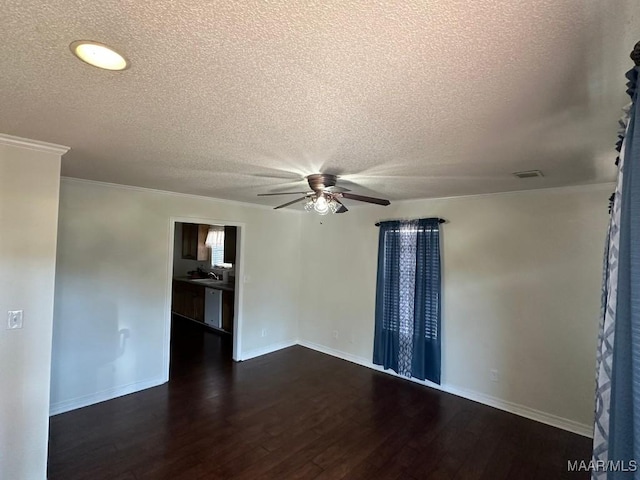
column 135, row 188
column 12, row 141
column 597, row 186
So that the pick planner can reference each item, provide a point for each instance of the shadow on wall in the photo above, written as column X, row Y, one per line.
column 86, row 344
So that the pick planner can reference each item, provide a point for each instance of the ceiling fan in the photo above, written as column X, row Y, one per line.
column 325, row 195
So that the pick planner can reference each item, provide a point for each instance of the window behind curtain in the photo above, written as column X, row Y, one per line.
column 215, row 241
column 217, row 255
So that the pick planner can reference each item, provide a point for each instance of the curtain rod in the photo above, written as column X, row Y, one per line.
column 635, row 55
column 440, row 220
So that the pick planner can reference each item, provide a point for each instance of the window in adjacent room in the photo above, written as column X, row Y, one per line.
column 215, row 241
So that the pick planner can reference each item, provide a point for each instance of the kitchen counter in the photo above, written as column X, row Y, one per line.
column 218, row 285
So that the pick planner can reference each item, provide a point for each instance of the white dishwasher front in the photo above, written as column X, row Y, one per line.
column 213, row 307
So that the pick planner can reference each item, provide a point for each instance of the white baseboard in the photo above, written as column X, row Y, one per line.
column 111, row 393
column 257, row 352
column 517, row 409
column 524, row 411
column 102, row 396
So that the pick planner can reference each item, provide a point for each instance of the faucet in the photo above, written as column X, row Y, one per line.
column 214, row 275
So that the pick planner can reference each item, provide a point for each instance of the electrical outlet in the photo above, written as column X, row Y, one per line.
column 14, row 319
column 335, row 334
column 493, row 375
column 264, row 332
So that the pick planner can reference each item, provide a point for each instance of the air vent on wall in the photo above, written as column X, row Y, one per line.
column 529, row 174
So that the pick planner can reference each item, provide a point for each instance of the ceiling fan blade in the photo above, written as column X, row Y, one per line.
column 342, row 208
column 362, row 198
column 291, row 203
column 283, row 193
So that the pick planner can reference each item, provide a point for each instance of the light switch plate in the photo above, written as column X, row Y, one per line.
column 14, row 319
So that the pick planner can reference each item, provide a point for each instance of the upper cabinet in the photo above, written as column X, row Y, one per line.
column 230, row 237
column 193, row 242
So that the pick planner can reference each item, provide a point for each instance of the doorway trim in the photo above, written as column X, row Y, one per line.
column 238, row 291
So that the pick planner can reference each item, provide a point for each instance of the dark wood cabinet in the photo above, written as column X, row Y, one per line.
column 188, row 300
column 194, row 237
column 189, row 241
column 228, row 300
column 230, row 239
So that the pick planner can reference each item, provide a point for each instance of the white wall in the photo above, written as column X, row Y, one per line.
column 521, row 294
column 112, row 276
column 29, row 182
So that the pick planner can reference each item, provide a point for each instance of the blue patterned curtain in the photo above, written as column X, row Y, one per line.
column 617, row 421
column 407, row 329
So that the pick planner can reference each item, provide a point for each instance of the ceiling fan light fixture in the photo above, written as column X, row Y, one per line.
column 308, row 206
column 321, row 205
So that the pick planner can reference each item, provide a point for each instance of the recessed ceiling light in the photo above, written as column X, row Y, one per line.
column 98, row 55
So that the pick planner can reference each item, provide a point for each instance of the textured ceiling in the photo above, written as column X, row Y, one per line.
column 406, row 99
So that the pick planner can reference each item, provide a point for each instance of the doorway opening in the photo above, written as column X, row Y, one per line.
column 204, row 307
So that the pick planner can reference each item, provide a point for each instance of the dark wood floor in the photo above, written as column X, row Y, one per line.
column 298, row 414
